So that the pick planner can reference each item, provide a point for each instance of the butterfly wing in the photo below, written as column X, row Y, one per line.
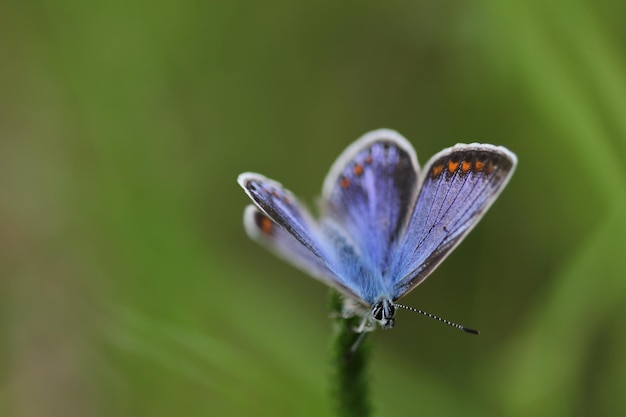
column 458, row 185
column 279, row 222
column 368, row 195
column 369, row 192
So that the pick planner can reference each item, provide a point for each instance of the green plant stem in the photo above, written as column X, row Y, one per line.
column 349, row 369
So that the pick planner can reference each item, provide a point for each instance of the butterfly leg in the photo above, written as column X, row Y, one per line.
column 355, row 345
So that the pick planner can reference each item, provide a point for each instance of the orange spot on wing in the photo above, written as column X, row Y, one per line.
column 479, row 165
column 452, row 166
column 437, row 170
column 345, row 183
column 489, row 168
column 465, row 166
column 358, row 169
column 266, row 225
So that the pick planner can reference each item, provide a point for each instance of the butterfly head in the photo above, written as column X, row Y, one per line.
column 383, row 312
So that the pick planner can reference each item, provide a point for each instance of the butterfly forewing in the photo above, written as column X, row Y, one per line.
column 458, row 186
column 281, row 223
column 370, row 192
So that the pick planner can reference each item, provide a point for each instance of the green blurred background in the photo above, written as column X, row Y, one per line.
column 129, row 287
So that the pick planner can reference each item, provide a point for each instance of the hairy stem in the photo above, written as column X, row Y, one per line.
column 349, row 368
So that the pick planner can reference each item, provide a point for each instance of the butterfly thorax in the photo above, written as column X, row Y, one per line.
column 380, row 313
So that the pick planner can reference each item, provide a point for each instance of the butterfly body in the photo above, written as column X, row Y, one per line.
column 384, row 223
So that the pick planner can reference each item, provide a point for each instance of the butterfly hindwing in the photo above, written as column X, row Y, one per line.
column 369, row 193
column 458, row 185
column 278, row 221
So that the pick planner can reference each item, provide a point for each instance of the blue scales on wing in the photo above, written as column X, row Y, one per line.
column 278, row 221
column 458, row 185
column 369, row 194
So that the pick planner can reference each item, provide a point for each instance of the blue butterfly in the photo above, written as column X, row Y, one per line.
column 384, row 224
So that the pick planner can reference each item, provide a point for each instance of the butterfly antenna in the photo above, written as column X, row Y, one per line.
column 432, row 316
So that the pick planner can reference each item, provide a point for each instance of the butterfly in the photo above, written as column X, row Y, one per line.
column 385, row 223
